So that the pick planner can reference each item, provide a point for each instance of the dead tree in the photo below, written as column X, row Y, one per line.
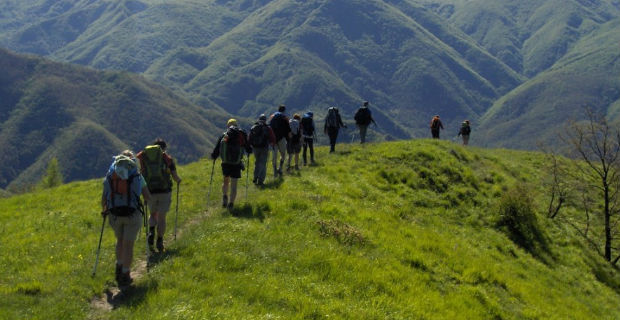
column 597, row 147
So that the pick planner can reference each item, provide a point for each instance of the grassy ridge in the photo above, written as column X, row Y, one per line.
column 393, row 230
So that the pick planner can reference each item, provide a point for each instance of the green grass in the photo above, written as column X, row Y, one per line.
column 402, row 230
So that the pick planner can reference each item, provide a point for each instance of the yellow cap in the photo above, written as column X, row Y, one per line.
column 231, row 122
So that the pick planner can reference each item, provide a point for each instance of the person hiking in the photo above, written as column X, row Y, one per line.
column 279, row 123
column 333, row 122
column 363, row 118
column 294, row 147
column 120, row 199
column 157, row 167
column 229, row 147
column 465, row 131
column 436, row 125
column 307, row 131
column 261, row 137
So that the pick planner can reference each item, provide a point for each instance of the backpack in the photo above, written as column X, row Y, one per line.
column 307, row 126
column 294, row 123
column 363, row 116
column 276, row 121
column 155, row 169
column 465, row 129
column 259, row 137
column 435, row 123
column 120, row 177
column 332, row 118
column 230, row 146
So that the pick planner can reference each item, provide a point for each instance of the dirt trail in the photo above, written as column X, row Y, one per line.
column 113, row 297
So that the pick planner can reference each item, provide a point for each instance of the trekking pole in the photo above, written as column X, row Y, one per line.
column 210, row 182
column 176, row 216
column 146, row 232
column 99, row 246
column 247, row 178
column 352, row 137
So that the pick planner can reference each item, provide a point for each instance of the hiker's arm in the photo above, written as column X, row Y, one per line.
column 175, row 176
column 272, row 137
column 104, row 196
column 104, row 205
column 216, row 150
column 146, row 194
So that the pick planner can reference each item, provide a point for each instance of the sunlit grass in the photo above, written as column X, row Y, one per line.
column 395, row 230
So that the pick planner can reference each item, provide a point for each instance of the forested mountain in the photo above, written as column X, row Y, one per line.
column 248, row 57
column 410, row 58
column 83, row 117
column 585, row 78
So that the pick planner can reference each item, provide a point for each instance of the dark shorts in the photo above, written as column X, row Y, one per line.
column 231, row 170
column 294, row 147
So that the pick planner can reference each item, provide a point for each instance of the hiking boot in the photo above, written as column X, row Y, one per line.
column 118, row 272
column 124, row 279
column 224, row 201
column 151, row 237
column 297, row 167
column 160, row 244
column 230, row 206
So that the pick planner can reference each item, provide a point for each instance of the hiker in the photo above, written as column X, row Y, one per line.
column 294, row 147
column 157, row 167
column 465, row 131
column 307, row 130
column 230, row 147
column 261, row 137
column 436, row 125
column 363, row 118
column 333, row 122
column 279, row 123
column 120, row 199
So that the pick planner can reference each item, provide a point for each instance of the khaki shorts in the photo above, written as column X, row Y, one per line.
column 160, row 203
column 126, row 228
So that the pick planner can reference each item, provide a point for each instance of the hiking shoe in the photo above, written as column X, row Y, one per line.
column 160, row 244
column 124, row 279
column 118, row 272
column 230, row 206
column 151, row 237
column 224, row 201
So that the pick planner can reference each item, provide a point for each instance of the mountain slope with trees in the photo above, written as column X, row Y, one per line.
column 249, row 56
column 411, row 59
column 83, row 117
column 529, row 36
column 585, row 78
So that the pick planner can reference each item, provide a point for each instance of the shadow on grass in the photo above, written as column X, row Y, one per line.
column 247, row 211
column 273, row 184
column 158, row 257
column 130, row 296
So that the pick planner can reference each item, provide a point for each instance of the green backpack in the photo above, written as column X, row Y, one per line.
column 155, row 169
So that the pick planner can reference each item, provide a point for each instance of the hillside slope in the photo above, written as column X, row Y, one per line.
column 250, row 56
column 528, row 35
column 586, row 77
column 83, row 117
column 393, row 230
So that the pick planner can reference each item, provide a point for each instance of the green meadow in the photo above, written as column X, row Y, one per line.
column 396, row 230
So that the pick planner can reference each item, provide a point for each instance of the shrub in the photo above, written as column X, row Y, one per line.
column 518, row 219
